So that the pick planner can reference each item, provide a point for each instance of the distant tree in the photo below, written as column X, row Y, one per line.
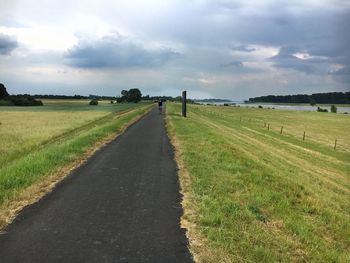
column 334, row 109
column 3, row 91
column 94, row 102
column 134, row 95
column 316, row 98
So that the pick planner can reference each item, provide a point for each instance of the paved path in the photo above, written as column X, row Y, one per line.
column 123, row 205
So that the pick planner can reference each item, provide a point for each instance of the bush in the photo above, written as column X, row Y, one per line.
column 94, row 102
column 260, row 107
column 120, row 99
column 321, row 110
column 334, row 109
column 25, row 101
column 6, row 103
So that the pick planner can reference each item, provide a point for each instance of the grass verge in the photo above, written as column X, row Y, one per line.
column 27, row 179
column 197, row 241
column 255, row 195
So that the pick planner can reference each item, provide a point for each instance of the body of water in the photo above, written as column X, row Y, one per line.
column 341, row 109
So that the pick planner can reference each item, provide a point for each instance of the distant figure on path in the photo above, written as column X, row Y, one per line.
column 160, row 105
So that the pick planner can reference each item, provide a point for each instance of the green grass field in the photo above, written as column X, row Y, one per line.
column 260, row 196
column 36, row 141
column 23, row 129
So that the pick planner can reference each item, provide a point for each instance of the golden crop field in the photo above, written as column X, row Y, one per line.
column 35, row 141
column 21, row 131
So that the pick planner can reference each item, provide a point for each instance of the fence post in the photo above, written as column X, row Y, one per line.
column 268, row 126
column 304, row 136
column 281, row 129
column 184, row 103
column 335, row 144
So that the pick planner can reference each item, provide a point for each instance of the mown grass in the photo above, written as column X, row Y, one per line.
column 44, row 159
column 70, row 106
column 23, row 129
column 262, row 196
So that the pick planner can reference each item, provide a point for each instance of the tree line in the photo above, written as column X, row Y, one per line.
column 71, row 97
column 132, row 95
column 316, row 98
column 17, row 100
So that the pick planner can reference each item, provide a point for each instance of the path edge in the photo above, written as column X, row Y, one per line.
column 199, row 246
column 35, row 192
column 195, row 241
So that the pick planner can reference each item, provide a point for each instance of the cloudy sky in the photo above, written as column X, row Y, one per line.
column 221, row 48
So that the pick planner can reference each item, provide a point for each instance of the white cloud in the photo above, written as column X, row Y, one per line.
column 42, row 37
column 225, row 46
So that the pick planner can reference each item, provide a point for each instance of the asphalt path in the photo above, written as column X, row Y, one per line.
column 123, row 205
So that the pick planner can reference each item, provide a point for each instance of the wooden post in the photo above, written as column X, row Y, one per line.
column 268, row 126
column 304, row 136
column 264, row 124
column 335, row 144
column 281, row 129
column 184, row 103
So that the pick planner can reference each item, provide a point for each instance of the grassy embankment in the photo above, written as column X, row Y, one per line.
column 255, row 195
column 37, row 141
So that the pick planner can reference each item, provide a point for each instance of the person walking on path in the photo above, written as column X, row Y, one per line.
column 160, row 105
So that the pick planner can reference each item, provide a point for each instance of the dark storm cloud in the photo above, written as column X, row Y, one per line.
column 286, row 58
column 116, row 52
column 320, row 30
column 231, row 45
column 322, row 34
column 7, row 44
column 324, row 37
